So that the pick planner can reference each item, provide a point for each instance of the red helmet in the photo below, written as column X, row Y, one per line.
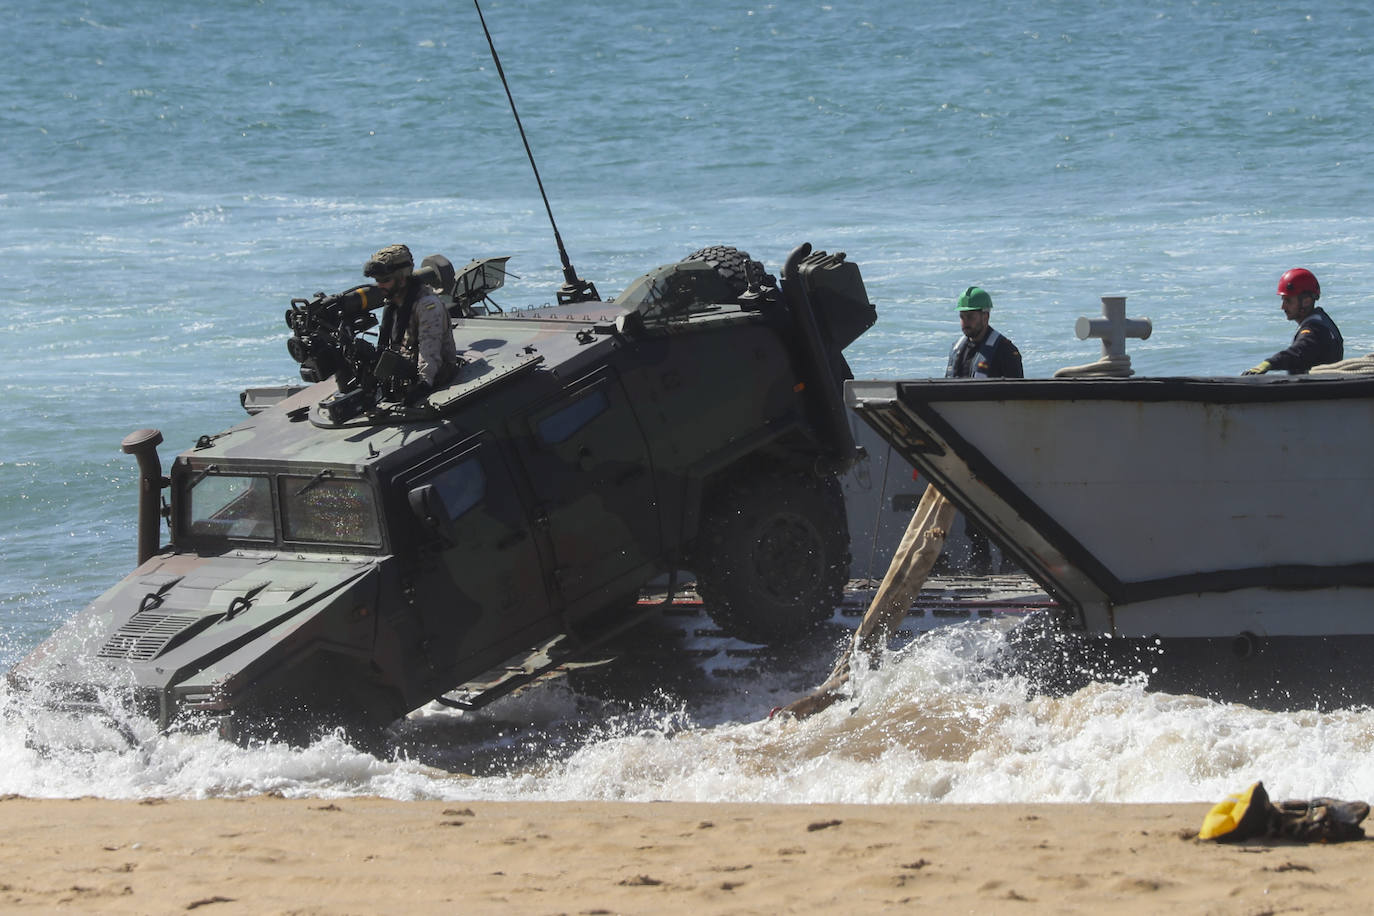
column 1299, row 282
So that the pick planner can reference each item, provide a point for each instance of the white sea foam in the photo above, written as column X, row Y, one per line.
column 931, row 723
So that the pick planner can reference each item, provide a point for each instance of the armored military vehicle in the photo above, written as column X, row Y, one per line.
column 341, row 557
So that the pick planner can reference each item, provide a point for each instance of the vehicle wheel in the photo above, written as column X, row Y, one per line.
column 733, row 265
column 772, row 557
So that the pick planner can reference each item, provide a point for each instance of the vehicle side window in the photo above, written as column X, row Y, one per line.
column 224, row 506
column 560, row 426
column 461, row 487
column 328, row 510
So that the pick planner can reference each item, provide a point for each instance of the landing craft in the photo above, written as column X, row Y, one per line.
column 1215, row 534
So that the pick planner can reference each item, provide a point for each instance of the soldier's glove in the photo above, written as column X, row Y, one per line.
column 1258, row 370
column 418, row 392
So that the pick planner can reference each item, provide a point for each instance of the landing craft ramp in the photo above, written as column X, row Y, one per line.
column 684, row 644
column 1186, row 508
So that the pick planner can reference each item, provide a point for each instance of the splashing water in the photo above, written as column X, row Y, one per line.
column 933, row 722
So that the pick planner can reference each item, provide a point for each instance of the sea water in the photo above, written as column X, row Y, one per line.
column 175, row 173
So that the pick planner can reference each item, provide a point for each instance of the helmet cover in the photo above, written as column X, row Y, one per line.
column 389, row 259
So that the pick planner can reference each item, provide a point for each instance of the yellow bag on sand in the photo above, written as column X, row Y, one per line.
column 1239, row 817
column 1250, row 815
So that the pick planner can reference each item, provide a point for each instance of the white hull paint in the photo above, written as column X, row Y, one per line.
column 1173, row 508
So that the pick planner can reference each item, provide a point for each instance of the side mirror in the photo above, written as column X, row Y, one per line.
column 430, row 509
column 441, row 502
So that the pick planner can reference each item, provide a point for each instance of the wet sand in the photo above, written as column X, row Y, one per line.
column 366, row 855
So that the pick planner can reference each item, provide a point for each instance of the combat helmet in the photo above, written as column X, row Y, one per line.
column 389, row 259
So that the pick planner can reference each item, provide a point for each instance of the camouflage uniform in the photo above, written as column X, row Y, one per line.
column 416, row 321
column 427, row 340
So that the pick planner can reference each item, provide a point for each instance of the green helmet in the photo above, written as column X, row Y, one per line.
column 975, row 299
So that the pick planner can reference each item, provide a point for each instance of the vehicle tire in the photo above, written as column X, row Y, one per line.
column 772, row 557
column 734, row 266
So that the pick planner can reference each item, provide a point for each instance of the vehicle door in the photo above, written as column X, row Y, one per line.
column 478, row 579
column 588, row 465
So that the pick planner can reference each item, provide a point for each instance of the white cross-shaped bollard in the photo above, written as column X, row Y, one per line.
column 1113, row 327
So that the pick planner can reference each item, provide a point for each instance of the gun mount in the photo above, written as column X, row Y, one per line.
column 327, row 336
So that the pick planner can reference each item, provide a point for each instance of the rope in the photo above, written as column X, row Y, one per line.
column 1359, row 365
column 1106, row 367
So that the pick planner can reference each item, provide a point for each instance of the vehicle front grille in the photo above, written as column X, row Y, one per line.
column 145, row 635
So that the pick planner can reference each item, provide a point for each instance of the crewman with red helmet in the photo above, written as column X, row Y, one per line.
column 1317, row 341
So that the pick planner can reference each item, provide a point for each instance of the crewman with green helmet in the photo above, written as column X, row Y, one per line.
column 980, row 353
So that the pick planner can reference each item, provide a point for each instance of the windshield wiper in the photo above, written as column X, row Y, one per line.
column 313, row 481
column 208, row 470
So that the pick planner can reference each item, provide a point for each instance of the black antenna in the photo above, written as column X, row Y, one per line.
column 574, row 288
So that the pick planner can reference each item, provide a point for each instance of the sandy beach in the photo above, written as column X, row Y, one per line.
column 365, row 855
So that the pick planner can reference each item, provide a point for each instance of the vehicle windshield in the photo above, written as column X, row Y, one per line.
column 328, row 510
column 319, row 509
column 224, row 506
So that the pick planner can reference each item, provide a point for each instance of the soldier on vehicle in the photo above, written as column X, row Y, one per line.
column 1317, row 340
column 415, row 323
column 980, row 353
